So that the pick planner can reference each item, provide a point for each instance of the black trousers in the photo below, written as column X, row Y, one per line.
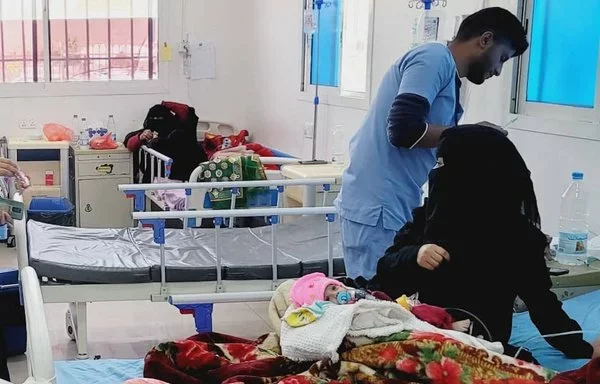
column 12, row 314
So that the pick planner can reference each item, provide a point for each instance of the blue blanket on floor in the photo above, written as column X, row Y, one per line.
column 98, row 371
column 584, row 309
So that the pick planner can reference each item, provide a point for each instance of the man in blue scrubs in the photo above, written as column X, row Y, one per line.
column 394, row 150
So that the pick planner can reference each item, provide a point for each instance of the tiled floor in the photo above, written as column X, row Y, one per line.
column 130, row 329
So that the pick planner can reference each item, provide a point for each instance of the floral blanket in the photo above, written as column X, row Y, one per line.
column 402, row 358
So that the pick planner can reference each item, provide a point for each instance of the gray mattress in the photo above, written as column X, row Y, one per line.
column 124, row 256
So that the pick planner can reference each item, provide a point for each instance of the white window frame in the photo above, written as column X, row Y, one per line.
column 526, row 111
column 97, row 88
column 335, row 96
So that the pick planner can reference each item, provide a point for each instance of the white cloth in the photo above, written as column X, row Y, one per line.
column 322, row 338
column 173, row 199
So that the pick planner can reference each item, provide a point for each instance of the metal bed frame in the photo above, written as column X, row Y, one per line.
column 218, row 291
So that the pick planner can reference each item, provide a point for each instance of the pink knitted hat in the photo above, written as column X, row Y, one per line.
column 310, row 288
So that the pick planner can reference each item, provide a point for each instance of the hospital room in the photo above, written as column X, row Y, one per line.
column 299, row 191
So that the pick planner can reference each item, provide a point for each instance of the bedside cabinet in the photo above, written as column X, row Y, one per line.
column 311, row 196
column 95, row 175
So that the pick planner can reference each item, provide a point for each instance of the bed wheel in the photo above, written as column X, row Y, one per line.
column 69, row 324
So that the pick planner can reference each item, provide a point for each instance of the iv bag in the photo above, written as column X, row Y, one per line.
column 428, row 27
column 310, row 21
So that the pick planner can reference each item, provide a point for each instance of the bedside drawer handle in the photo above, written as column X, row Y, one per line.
column 88, row 208
column 105, row 169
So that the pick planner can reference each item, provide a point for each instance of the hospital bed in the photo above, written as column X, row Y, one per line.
column 585, row 309
column 182, row 266
column 160, row 171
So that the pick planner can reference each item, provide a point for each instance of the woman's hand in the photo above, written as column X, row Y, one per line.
column 430, row 256
column 8, row 168
column 146, row 135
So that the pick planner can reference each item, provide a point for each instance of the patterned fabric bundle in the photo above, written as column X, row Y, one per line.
column 235, row 168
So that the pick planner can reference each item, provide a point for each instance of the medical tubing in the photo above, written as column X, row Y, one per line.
column 329, row 251
column 218, row 252
column 163, row 267
column 476, row 318
column 319, row 4
column 554, row 335
column 274, row 249
column 527, row 340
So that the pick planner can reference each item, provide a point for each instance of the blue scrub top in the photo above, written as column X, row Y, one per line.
column 383, row 181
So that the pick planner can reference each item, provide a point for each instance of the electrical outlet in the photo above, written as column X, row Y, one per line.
column 308, row 130
column 28, row 124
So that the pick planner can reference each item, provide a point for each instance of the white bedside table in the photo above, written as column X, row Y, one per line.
column 96, row 174
column 307, row 196
column 61, row 184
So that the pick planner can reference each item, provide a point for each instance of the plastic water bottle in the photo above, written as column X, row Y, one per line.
column 84, row 139
column 75, row 128
column 75, row 123
column 353, row 295
column 338, row 144
column 112, row 126
column 574, row 228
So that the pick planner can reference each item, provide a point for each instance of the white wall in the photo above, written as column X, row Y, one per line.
column 223, row 99
column 277, row 115
column 229, row 24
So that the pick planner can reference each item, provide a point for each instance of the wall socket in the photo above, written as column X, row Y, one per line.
column 28, row 124
column 309, row 130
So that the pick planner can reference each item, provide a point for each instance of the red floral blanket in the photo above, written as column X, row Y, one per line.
column 403, row 358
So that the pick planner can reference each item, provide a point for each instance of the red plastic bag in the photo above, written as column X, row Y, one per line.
column 57, row 132
column 103, row 142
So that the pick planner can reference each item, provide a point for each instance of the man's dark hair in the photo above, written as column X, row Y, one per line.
column 505, row 26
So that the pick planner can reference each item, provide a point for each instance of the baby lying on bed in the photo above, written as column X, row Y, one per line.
column 312, row 292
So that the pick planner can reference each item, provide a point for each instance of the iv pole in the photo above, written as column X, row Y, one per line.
column 319, row 5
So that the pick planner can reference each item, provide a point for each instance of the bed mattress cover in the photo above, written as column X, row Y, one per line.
column 129, row 255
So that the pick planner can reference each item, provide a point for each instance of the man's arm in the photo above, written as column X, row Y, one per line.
column 406, row 123
column 422, row 80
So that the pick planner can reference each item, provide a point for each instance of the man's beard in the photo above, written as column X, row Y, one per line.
column 477, row 70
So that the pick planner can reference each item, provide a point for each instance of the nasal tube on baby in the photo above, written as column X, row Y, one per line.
column 352, row 296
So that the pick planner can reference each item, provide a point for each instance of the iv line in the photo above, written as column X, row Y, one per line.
column 476, row 318
column 319, row 4
column 554, row 335
column 550, row 335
